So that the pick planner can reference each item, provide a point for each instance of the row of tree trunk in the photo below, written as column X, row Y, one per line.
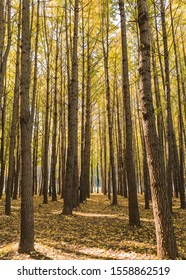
column 119, row 175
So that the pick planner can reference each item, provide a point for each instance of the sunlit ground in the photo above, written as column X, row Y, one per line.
column 96, row 230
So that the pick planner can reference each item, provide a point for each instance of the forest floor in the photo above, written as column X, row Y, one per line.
column 96, row 230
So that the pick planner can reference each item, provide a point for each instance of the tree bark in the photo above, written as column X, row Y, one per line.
column 46, row 133
column 134, row 218
column 35, row 67
column 5, row 17
column 4, row 53
column 11, row 161
column 86, row 156
column 108, row 99
column 169, row 126
column 72, row 120
column 27, row 211
column 166, row 243
column 54, row 130
column 82, row 185
column 3, row 153
column 180, row 124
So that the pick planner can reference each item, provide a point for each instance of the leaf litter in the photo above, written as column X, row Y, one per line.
column 96, row 230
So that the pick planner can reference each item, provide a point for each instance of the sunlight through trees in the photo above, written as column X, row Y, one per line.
column 93, row 100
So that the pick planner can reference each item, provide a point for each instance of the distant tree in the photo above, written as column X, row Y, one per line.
column 5, row 44
column 11, row 161
column 181, row 149
column 47, row 111
column 169, row 124
column 105, row 45
column 55, row 120
column 85, row 184
column 82, row 185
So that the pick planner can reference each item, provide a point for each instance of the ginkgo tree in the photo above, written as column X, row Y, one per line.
column 73, row 102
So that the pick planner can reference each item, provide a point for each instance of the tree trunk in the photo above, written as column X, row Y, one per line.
column 169, row 126
column 54, row 130
column 158, row 44
column 108, row 99
column 160, row 120
column 4, row 51
column 134, row 218
column 86, row 157
column 146, row 178
column 35, row 154
column 105, row 155
column 35, row 67
column 180, row 124
column 27, row 212
column 120, row 144
column 5, row 44
column 166, row 243
column 82, row 185
column 11, row 165
column 2, row 154
column 63, row 145
column 72, row 120
column 17, row 166
column 46, row 133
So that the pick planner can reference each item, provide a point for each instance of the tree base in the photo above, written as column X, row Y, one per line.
column 25, row 249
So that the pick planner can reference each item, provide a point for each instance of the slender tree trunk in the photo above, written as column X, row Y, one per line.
column 11, row 161
column 34, row 114
column 72, row 120
column 86, row 157
column 64, row 108
column 27, row 212
column 111, row 145
column 5, row 17
column 181, row 149
column 146, row 178
column 158, row 44
column 82, row 185
column 75, row 186
column 137, row 156
column 61, row 124
column 3, row 153
column 2, row 36
column 46, row 133
column 169, row 126
column 54, row 130
column 35, row 67
column 5, row 44
column 2, row 31
column 63, row 144
column 108, row 99
column 92, row 178
column 134, row 218
column 160, row 120
column 109, row 182
column 105, row 155
column 35, row 154
column 101, row 153
column 17, row 165
column 166, row 243
column 120, row 150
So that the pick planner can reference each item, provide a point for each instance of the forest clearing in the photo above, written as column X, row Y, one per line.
column 97, row 230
